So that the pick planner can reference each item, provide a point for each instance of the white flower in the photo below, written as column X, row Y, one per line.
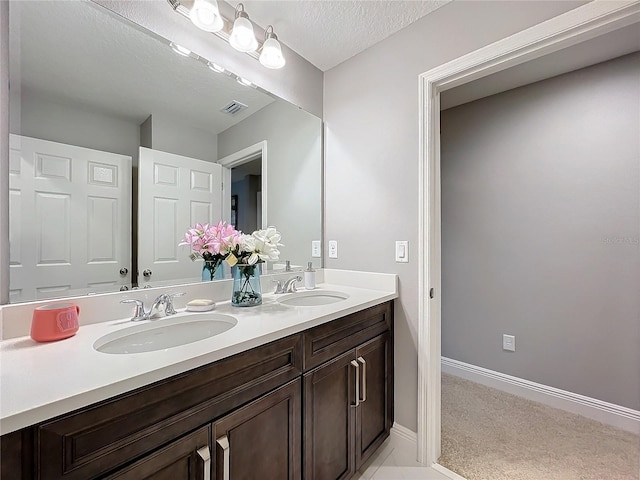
column 261, row 246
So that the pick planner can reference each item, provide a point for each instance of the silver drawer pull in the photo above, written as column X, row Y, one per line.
column 357, row 365
column 224, row 443
column 364, row 379
column 205, row 454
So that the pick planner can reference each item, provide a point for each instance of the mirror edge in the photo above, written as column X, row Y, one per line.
column 4, row 152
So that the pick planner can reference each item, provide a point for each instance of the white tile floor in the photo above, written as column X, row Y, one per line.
column 389, row 463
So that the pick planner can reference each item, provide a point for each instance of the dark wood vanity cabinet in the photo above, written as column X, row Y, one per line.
column 348, row 398
column 348, row 410
column 282, row 411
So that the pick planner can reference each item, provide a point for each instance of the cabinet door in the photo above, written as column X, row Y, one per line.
column 329, row 420
column 375, row 412
column 184, row 459
column 262, row 439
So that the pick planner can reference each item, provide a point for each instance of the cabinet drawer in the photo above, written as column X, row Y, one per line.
column 327, row 341
column 95, row 440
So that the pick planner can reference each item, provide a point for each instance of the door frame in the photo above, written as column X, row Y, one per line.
column 573, row 27
column 238, row 158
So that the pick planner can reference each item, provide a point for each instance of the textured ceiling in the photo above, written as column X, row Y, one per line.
column 328, row 32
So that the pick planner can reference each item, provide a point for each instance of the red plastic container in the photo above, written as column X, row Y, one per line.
column 54, row 322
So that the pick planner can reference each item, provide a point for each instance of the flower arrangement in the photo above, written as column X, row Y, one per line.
column 212, row 243
column 260, row 246
column 222, row 242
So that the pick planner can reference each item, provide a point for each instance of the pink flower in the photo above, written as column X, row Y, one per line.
column 211, row 240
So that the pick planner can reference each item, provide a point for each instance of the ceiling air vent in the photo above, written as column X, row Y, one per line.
column 233, row 108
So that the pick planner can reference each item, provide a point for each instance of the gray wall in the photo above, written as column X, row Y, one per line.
column 45, row 119
column 371, row 151
column 173, row 136
column 294, row 172
column 541, row 231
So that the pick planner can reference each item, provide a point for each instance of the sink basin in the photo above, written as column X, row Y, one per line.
column 312, row 298
column 165, row 333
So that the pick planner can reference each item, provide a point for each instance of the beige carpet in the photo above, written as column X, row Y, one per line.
column 491, row 435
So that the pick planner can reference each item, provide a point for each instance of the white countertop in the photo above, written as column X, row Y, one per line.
column 39, row 381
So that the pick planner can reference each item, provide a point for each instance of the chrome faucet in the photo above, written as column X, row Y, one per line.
column 290, row 285
column 162, row 304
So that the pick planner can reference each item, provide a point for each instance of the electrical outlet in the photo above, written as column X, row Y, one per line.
column 316, row 249
column 333, row 249
column 509, row 343
column 402, row 251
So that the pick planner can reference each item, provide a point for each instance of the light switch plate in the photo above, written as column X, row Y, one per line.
column 333, row 249
column 316, row 249
column 402, row 251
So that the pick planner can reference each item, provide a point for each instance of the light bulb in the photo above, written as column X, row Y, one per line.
column 205, row 15
column 242, row 37
column 271, row 56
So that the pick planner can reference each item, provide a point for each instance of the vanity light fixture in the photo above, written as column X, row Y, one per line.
column 271, row 56
column 242, row 37
column 206, row 16
column 215, row 67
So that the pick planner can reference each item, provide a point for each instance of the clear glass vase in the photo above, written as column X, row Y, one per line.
column 246, row 286
column 212, row 270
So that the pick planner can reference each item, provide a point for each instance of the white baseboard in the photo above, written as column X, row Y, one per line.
column 609, row 413
column 404, row 439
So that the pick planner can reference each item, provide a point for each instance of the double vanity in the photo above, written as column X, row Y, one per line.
column 299, row 387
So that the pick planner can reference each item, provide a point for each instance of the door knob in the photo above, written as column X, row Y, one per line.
column 124, row 288
column 147, row 273
column 124, row 271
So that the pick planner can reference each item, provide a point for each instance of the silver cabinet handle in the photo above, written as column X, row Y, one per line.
column 147, row 273
column 364, row 379
column 205, row 454
column 224, row 443
column 357, row 365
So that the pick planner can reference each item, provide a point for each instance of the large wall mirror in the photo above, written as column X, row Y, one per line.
column 119, row 143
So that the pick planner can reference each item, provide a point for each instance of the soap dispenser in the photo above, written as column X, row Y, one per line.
column 310, row 277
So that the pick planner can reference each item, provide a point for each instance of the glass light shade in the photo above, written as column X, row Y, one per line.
column 205, row 15
column 271, row 56
column 242, row 37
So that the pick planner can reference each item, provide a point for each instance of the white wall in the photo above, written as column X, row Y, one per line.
column 294, row 172
column 541, row 231
column 371, row 151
